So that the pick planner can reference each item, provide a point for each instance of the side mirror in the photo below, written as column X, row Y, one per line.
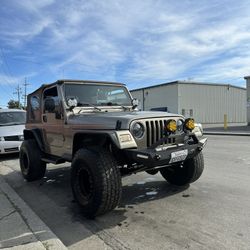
column 49, row 104
column 135, row 103
column 72, row 103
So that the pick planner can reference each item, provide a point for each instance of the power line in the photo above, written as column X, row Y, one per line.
column 6, row 91
column 6, row 63
column 6, row 73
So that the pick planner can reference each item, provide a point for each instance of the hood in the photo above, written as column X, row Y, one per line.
column 11, row 130
column 108, row 120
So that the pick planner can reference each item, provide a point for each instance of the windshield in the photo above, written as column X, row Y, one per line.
column 97, row 95
column 12, row 118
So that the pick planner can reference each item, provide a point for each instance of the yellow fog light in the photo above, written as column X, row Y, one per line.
column 171, row 126
column 189, row 124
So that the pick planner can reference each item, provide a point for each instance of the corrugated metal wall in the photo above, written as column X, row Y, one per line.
column 161, row 96
column 248, row 98
column 209, row 103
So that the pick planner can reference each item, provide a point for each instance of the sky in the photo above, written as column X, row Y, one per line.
column 136, row 42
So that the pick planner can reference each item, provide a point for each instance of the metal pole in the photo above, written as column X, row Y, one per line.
column 225, row 121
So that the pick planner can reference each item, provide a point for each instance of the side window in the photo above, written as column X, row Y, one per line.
column 51, row 103
column 50, row 100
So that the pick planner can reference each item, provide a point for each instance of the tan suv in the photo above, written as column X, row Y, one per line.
column 96, row 126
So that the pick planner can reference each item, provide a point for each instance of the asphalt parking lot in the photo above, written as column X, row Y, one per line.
column 212, row 213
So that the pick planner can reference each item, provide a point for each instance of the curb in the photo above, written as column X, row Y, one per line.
column 41, row 231
column 226, row 133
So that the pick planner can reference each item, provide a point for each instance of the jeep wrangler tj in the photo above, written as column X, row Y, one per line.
column 97, row 127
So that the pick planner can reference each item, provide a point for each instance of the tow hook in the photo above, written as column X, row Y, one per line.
column 157, row 157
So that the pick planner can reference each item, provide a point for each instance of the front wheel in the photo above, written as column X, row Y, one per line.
column 95, row 181
column 188, row 172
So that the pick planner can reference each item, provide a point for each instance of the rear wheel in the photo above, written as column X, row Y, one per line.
column 189, row 172
column 32, row 167
column 95, row 181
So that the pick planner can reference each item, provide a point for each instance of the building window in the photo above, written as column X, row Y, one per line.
column 191, row 112
column 183, row 112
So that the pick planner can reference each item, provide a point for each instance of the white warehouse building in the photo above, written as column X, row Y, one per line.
column 248, row 98
column 205, row 102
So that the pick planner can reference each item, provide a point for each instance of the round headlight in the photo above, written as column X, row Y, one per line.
column 180, row 125
column 189, row 124
column 137, row 130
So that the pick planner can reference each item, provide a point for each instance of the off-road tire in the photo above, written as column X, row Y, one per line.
column 32, row 167
column 189, row 172
column 95, row 181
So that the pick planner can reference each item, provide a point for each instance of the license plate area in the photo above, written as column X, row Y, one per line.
column 178, row 156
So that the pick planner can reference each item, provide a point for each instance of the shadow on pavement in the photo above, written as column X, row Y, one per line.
column 148, row 191
column 9, row 157
column 51, row 199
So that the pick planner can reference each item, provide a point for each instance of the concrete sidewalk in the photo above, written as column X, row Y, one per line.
column 20, row 227
column 237, row 129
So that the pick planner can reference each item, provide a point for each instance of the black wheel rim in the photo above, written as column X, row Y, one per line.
column 85, row 183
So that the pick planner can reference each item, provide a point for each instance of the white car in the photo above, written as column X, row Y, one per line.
column 12, row 123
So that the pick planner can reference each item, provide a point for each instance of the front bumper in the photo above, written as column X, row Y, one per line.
column 156, row 157
column 7, row 147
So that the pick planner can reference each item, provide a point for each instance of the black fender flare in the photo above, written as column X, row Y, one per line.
column 96, row 139
column 34, row 134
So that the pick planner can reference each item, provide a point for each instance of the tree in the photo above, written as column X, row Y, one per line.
column 12, row 104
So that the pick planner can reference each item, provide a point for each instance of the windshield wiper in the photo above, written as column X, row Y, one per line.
column 116, row 104
column 81, row 104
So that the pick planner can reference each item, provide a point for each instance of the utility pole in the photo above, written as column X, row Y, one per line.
column 18, row 93
column 25, row 92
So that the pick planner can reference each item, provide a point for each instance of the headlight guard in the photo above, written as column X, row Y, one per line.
column 137, row 130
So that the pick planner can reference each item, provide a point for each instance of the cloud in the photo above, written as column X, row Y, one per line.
column 8, row 80
column 138, row 42
column 34, row 6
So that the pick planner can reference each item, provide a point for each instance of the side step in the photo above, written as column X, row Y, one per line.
column 53, row 159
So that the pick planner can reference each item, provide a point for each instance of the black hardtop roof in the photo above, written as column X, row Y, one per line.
column 61, row 81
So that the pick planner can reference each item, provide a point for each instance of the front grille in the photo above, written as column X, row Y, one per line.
column 12, row 138
column 155, row 132
column 11, row 149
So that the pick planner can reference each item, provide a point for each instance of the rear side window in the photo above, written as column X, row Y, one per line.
column 34, row 108
column 35, row 102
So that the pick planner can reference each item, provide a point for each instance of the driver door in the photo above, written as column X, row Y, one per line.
column 53, row 122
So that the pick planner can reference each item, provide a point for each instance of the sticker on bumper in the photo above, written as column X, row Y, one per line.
column 178, row 156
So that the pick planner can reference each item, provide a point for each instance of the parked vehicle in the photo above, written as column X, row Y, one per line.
column 12, row 124
column 97, row 127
